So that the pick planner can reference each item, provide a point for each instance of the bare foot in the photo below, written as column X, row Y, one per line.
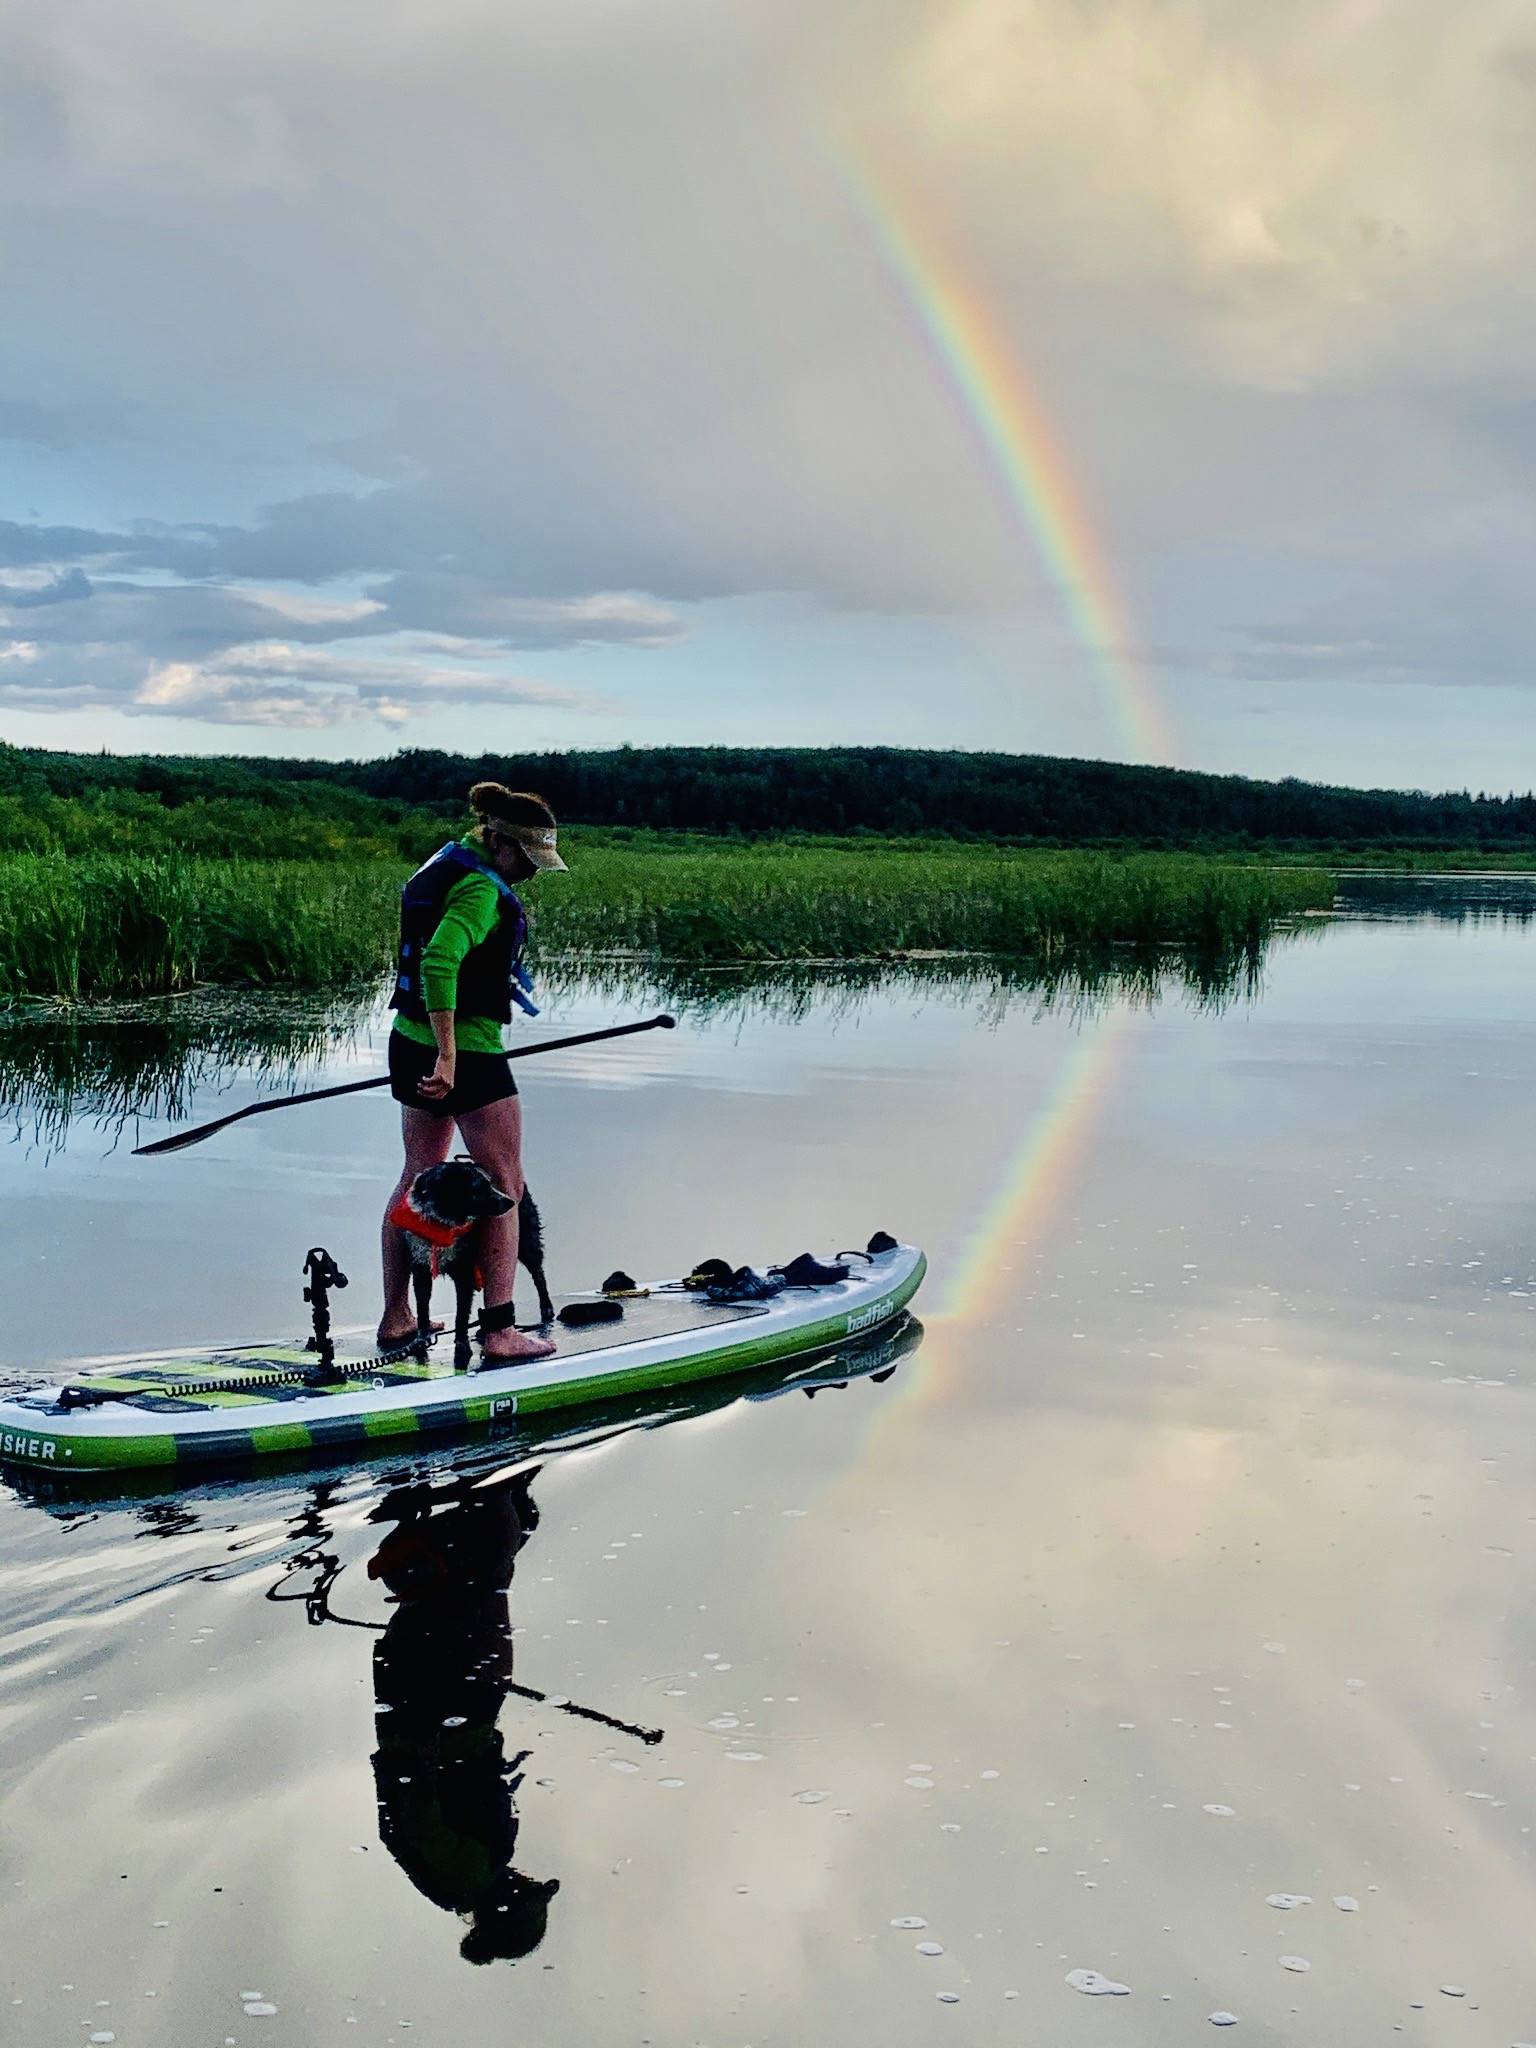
column 391, row 1340
column 514, row 1347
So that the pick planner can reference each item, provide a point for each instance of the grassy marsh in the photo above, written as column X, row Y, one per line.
column 115, row 925
column 813, row 901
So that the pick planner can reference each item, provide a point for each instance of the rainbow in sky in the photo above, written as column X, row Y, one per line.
column 983, row 365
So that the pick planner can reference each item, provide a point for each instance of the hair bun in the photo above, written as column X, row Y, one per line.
column 498, row 805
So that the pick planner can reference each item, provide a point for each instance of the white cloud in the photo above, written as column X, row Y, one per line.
column 306, row 608
column 274, row 684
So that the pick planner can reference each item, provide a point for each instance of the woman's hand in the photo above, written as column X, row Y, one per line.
column 440, row 1081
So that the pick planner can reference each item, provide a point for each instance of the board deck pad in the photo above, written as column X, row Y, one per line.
column 258, row 1375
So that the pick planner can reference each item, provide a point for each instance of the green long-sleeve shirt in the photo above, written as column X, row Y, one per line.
column 470, row 910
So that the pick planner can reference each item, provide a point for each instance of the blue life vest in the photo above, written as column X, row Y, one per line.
column 491, row 975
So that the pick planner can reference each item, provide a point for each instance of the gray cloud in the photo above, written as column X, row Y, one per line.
column 62, row 586
column 614, row 333
column 441, row 603
column 60, row 427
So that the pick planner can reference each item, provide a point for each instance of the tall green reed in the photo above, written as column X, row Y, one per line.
column 805, row 902
column 129, row 925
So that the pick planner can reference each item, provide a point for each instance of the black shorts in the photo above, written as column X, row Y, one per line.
column 480, row 1078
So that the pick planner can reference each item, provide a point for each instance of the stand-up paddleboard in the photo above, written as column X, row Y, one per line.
column 243, row 1495
column 197, row 1408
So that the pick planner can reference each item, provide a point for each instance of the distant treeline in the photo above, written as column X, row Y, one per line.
column 325, row 809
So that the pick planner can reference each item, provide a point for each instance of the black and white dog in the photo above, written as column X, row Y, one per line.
column 441, row 1215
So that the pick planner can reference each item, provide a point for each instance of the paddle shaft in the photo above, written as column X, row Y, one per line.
column 180, row 1140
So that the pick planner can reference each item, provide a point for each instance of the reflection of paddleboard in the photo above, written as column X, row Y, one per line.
column 194, row 1408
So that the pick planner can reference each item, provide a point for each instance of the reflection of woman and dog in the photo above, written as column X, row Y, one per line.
column 442, row 1667
column 442, row 1670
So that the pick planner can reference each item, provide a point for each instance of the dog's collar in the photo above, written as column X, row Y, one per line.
column 405, row 1217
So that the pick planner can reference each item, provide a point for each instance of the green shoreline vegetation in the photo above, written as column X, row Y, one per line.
column 115, row 924
column 123, row 877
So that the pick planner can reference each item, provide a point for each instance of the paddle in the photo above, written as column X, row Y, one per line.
column 178, row 1141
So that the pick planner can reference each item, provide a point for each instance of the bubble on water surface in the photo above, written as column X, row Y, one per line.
column 1297, row 1963
column 1094, row 1984
column 1286, row 1900
column 621, row 1763
column 1275, row 1649
column 671, row 1784
column 948, row 1997
column 551, row 1699
column 919, row 1784
column 103, row 2037
column 930, row 1948
column 723, row 1721
column 1223, row 2019
column 991, row 1774
column 744, row 1756
column 812, row 1798
column 457, row 1720
column 909, row 1921
column 949, row 1827
column 260, row 2009
column 1346, row 1904
column 919, row 1767
column 1453, row 1991
column 1221, row 1812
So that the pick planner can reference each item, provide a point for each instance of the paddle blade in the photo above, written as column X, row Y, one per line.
column 178, row 1141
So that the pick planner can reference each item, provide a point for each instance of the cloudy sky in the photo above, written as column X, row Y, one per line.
column 482, row 374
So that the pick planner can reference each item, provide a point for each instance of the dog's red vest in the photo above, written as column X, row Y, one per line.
column 439, row 1235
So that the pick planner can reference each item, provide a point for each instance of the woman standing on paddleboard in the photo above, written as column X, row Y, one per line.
column 462, row 930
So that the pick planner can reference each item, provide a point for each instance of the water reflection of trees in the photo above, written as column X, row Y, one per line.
column 111, row 1064
column 788, row 991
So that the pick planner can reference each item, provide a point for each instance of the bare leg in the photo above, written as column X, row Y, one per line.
column 428, row 1142
column 493, row 1137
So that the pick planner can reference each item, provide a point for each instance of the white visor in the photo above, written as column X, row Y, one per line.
column 539, row 845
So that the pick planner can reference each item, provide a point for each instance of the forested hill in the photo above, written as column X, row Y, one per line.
column 886, row 790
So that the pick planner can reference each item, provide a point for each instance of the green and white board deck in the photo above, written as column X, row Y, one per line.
column 196, row 1408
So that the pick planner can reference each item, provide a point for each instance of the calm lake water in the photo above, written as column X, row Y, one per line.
column 1167, row 1613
